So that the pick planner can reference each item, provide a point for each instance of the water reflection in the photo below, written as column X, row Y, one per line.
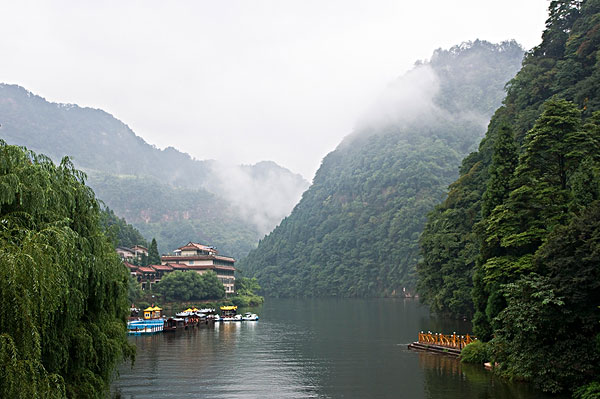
column 446, row 377
column 314, row 348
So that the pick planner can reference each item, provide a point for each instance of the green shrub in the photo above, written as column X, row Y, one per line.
column 241, row 301
column 476, row 352
column 589, row 391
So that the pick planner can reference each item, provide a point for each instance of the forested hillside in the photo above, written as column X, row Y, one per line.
column 516, row 243
column 242, row 202
column 355, row 232
column 174, row 215
column 121, row 233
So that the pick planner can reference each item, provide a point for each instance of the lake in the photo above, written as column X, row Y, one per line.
column 310, row 348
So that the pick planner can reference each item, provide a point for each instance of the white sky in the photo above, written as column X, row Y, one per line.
column 240, row 80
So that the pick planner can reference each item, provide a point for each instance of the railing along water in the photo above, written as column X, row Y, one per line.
column 449, row 341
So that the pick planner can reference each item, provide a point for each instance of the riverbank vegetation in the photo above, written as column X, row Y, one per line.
column 189, row 286
column 62, row 287
column 477, row 352
column 246, row 292
column 180, row 289
column 516, row 243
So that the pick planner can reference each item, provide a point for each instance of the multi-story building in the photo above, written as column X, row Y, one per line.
column 201, row 258
column 197, row 257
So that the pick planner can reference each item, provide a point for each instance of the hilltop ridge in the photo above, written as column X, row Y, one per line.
column 203, row 200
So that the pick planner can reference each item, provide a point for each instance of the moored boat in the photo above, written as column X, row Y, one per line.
column 150, row 324
column 174, row 324
column 229, row 313
column 248, row 316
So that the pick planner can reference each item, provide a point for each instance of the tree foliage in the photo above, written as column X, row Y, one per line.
column 153, row 255
column 531, row 237
column 246, row 292
column 121, row 233
column 190, row 286
column 63, row 288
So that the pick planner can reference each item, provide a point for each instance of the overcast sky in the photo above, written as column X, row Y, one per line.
column 241, row 81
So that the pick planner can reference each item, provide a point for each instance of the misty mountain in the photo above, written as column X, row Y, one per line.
column 228, row 206
column 355, row 231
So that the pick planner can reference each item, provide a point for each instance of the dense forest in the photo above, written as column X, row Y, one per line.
column 63, row 288
column 516, row 244
column 355, row 231
column 243, row 202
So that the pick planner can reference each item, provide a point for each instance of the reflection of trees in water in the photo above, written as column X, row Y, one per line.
column 446, row 377
column 439, row 365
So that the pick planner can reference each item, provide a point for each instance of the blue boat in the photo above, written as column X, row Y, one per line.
column 151, row 323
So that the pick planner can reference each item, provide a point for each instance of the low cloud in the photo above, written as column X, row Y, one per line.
column 263, row 194
column 408, row 99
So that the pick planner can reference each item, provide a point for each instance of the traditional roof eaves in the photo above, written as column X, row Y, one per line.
column 170, row 258
column 161, row 267
column 210, row 267
column 129, row 265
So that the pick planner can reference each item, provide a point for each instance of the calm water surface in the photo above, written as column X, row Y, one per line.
column 310, row 348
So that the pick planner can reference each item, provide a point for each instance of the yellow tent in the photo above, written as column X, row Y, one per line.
column 149, row 309
column 155, row 308
column 228, row 307
column 188, row 310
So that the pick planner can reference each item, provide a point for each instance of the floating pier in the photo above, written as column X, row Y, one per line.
column 450, row 345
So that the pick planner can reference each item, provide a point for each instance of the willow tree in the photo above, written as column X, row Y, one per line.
column 62, row 288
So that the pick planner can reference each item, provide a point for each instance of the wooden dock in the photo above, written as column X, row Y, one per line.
column 450, row 345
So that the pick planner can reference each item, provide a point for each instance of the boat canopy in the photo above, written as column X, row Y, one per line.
column 228, row 307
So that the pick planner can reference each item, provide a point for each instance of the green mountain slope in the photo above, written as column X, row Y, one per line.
column 173, row 215
column 121, row 233
column 355, row 231
column 164, row 193
column 515, row 244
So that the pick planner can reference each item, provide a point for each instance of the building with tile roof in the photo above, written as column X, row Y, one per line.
column 201, row 258
column 192, row 256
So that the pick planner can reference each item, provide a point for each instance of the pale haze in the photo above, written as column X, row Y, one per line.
column 241, row 81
